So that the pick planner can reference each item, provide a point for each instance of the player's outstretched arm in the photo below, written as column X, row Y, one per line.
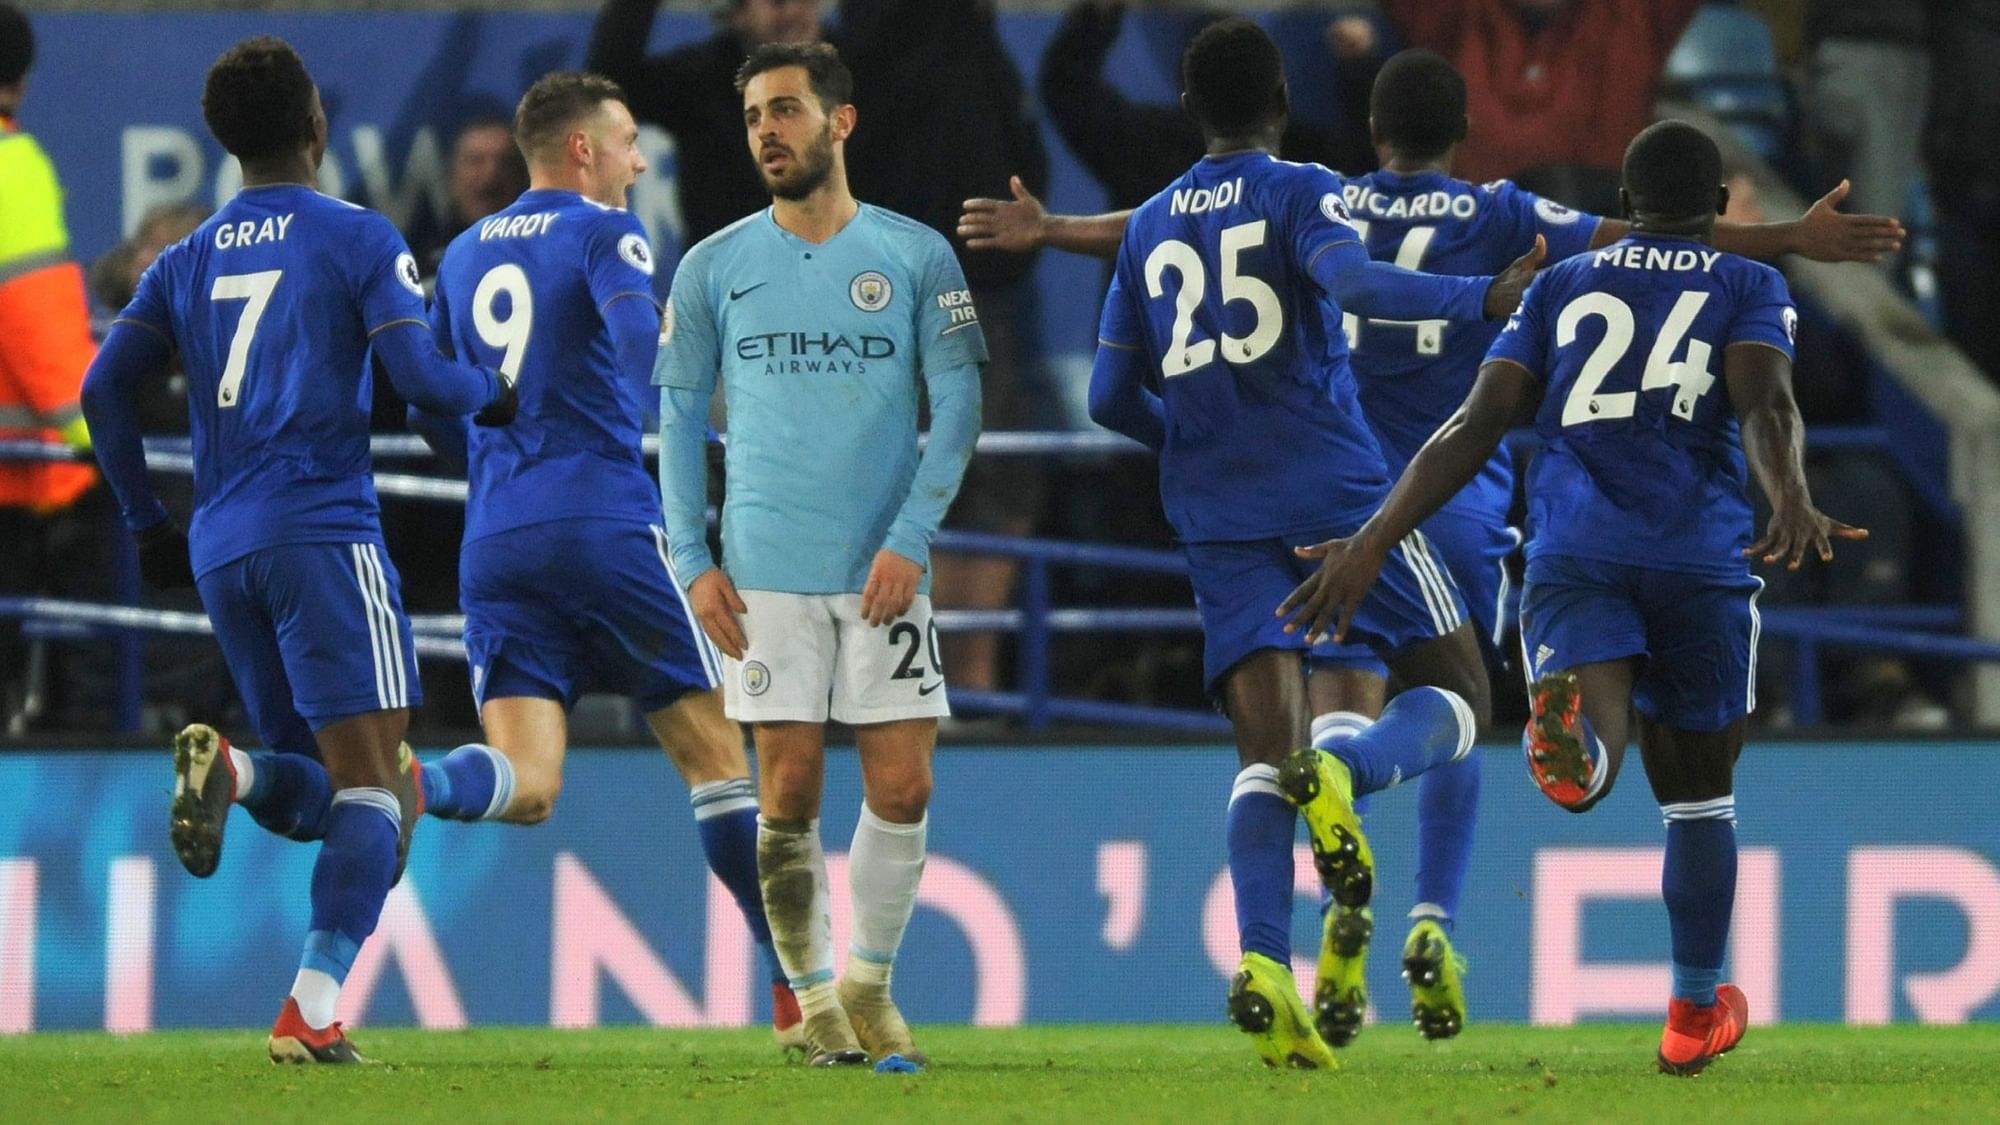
column 1504, row 392
column 133, row 353
column 1022, row 225
column 426, row 378
column 1774, row 441
column 1369, row 288
column 1822, row 234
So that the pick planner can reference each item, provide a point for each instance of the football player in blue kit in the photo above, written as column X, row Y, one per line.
column 1411, row 375
column 1220, row 348
column 276, row 306
column 565, row 575
column 1639, row 592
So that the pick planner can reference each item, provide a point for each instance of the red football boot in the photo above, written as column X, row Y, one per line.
column 1559, row 756
column 293, row 1042
column 1695, row 1037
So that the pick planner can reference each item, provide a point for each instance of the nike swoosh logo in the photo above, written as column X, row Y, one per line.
column 927, row 690
column 736, row 293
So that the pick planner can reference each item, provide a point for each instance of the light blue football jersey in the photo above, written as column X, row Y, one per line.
column 821, row 349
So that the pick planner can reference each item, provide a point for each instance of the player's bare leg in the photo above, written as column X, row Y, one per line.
column 377, row 800
column 706, row 746
column 533, row 735
column 791, row 864
column 1265, row 696
column 1576, row 736
column 1692, row 775
column 885, row 865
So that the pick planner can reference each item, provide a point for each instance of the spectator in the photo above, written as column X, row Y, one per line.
column 948, row 121
column 691, row 93
column 1871, row 75
column 44, row 347
column 1134, row 149
column 114, row 276
column 487, row 173
column 1962, row 148
column 1563, row 83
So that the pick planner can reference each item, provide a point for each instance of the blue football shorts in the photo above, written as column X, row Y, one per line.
column 1696, row 633
column 313, row 633
column 554, row 610
column 1238, row 587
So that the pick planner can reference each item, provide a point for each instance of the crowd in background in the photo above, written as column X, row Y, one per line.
column 1898, row 96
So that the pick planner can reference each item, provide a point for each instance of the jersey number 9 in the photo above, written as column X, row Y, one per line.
column 509, row 333
column 1187, row 354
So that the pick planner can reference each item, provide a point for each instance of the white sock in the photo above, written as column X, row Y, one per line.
column 883, row 869
column 317, row 995
column 246, row 771
column 791, row 870
column 1335, row 726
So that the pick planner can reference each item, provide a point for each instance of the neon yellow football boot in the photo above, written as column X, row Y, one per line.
column 1264, row 1004
column 1340, row 1000
column 1323, row 789
column 1436, row 974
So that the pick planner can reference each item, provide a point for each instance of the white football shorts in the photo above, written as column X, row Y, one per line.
column 811, row 656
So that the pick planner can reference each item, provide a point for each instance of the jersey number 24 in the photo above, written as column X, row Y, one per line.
column 1688, row 378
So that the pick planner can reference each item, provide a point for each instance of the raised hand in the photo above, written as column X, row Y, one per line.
column 1828, row 235
column 1504, row 295
column 1015, row 225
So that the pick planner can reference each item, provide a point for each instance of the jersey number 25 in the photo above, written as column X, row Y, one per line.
column 1185, row 353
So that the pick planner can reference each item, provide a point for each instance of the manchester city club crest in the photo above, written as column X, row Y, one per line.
column 756, row 678
column 869, row 291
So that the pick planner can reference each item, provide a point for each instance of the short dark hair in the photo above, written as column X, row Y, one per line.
column 554, row 104
column 1418, row 103
column 825, row 72
column 17, row 44
column 1234, row 76
column 258, row 99
column 1673, row 170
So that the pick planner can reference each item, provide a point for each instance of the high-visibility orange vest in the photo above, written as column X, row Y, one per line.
column 45, row 340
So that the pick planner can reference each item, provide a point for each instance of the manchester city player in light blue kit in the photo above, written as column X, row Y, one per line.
column 1639, row 592
column 275, row 306
column 1220, row 347
column 564, row 574
column 823, row 317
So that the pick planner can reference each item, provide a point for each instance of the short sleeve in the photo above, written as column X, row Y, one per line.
column 1524, row 340
column 948, row 331
column 690, row 343
column 1318, row 215
column 618, row 260
column 387, row 285
column 1764, row 311
column 151, row 306
column 1121, row 326
column 1567, row 232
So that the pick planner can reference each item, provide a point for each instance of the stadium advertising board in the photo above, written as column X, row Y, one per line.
column 1076, row 884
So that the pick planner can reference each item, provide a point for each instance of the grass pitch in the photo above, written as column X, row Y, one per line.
column 1090, row 1074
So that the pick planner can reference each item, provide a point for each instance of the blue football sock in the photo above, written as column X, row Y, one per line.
column 1421, row 729
column 350, row 880
column 1261, row 826
column 1698, row 882
column 725, row 813
column 290, row 796
column 1447, row 812
column 473, row 782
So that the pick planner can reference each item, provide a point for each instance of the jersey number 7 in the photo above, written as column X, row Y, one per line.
column 256, row 289
column 1187, row 354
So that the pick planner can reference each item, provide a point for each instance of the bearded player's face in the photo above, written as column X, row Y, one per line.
column 791, row 135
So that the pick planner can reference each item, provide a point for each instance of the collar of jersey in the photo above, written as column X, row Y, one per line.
column 771, row 219
column 1395, row 181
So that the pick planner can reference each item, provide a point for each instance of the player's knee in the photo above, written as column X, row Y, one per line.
column 534, row 799
column 901, row 799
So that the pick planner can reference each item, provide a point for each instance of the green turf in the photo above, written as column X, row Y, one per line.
column 1597, row 1073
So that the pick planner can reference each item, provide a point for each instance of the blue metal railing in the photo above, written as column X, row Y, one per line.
column 1037, row 621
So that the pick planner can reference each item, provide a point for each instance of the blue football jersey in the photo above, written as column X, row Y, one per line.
column 1413, row 374
column 271, row 303
column 1641, row 461
column 1214, row 287
column 524, row 291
